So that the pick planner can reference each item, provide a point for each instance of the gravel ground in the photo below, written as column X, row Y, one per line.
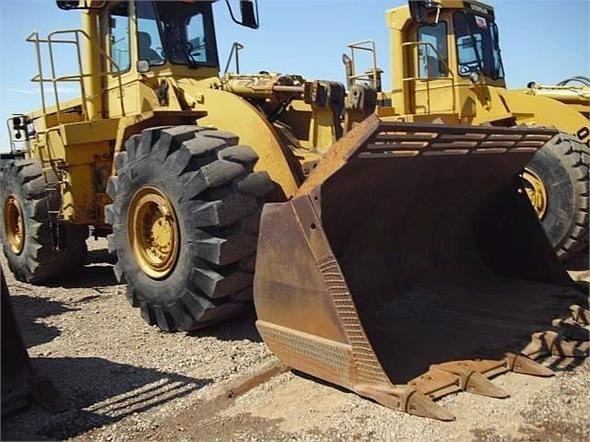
column 124, row 380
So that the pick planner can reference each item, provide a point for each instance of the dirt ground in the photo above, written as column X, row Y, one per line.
column 124, row 380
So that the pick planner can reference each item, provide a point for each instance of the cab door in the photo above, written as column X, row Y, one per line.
column 431, row 83
column 119, row 46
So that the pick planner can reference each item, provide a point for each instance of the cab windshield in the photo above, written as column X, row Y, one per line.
column 478, row 48
column 178, row 32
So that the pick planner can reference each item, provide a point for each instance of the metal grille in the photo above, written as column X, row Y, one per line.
column 406, row 140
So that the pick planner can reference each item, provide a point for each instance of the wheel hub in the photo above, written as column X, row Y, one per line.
column 535, row 189
column 153, row 232
column 14, row 225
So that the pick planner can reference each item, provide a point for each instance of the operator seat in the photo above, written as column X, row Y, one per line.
column 144, row 42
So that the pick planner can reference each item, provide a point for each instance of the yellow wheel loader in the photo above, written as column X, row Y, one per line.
column 371, row 231
column 446, row 61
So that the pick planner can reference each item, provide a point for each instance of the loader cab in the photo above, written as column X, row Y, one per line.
column 148, row 41
column 129, row 47
column 171, row 34
column 446, row 58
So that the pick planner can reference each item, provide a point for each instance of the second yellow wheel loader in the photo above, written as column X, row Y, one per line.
column 446, row 63
column 388, row 248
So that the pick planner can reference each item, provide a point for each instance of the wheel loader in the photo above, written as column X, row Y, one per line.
column 373, row 249
column 446, row 60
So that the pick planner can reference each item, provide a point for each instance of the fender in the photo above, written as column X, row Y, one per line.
column 531, row 109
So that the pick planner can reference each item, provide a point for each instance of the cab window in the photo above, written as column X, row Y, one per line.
column 196, row 38
column 188, row 33
column 149, row 43
column 119, row 37
column 433, row 52
column 478, row 48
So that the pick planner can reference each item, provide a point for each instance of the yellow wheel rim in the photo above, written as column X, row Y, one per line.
column 14, row 224
column 153, row 232
column 536, row 192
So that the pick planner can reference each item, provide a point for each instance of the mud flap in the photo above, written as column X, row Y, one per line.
column 410, row 265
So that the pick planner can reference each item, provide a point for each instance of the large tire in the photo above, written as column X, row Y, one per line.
column 35, row 250
column 560, row 170
column 185, row 213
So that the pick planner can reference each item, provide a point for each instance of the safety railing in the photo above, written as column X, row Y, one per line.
column 234, row 54
column 450, row 76
column 372, row 75
column 72, row 37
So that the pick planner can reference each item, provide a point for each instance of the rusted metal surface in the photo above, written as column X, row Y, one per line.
column 392, row 271
column 21, row 383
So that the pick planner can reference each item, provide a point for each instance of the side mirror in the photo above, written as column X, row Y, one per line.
column 249, row 13
column 67, row 4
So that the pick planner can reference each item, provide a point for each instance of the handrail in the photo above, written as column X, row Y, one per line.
column 427, row 80
column 78, row 35
column 235, row 48
column 369, row 46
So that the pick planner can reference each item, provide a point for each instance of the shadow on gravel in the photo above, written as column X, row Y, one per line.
column 579, row 262
column 90, row 276
column 100, row 256
column 97, row 272
column 29, row 308
column 98, row 392
column 558, row 364
column 240, row 328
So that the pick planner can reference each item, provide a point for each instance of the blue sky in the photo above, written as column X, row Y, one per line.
column 542, row 40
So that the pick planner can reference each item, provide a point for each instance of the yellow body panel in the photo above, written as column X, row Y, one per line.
column 83, row 169
column 89, row 167
column 538, row 110
column 89, row 131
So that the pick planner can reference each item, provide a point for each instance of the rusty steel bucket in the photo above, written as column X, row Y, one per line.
column 21, row 383
column 411, row 265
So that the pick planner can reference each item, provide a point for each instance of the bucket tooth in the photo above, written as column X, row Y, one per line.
column 570, row 329
column 419, row 405
column 573, row 349
column 551, row 343
column 408, row 400
column 471, row 380
column 540, row 345
column 580, row 314
column 479, row 384
column 519, row 363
